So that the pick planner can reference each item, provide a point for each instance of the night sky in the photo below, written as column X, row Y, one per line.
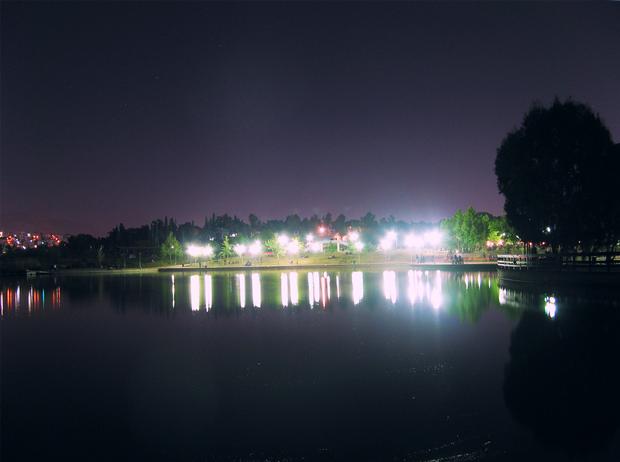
column 127, row 112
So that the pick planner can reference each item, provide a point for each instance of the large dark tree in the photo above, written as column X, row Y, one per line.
column 554, row 172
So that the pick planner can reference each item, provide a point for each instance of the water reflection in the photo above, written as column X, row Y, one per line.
column 390, row 289
column 194, row 292
column 436, row 297
column 208, row 291
column 338, row 286
column 172, row 290
column 241, row 289
column 558, row 381
column 357, row 283
column 294, row 291
column 550, row 306
column 284, row 289
column 452, row 292
column 256, row 291
column 37, row 299
column 561, row 381
column 314, row 288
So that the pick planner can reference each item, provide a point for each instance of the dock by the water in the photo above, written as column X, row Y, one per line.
column 594, row 268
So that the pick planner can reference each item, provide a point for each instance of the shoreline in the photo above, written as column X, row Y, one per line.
column 471, row 266
column 369, row 266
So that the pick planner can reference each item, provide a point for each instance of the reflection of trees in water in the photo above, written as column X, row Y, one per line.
column 469, row 296
column 562, row 380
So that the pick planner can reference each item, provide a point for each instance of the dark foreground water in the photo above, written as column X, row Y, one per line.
column 302, row 366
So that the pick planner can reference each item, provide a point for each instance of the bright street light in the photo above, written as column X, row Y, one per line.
column 293, row 247
column 413, row 241
column 255, row 248
column 240, row 249
column 282, row 239
column 386, row 244
column 196, row 251
column 316, row 247
column 433, row 238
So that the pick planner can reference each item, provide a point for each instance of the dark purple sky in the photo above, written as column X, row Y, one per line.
column 127, row 112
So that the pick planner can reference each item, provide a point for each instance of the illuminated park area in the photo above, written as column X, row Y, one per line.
column 289, row 249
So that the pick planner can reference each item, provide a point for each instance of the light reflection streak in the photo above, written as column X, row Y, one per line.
column 294, row 291
column 317, row 287
column 256, row 293
column 357, row 281
column 338, row 286
column 310, row 289
column 35, row 300
column 390, row 289
column 194, row 292
column 436, row 294
column 241, row 284
column 172, row 276
column 328, row 282
column 284, row 289
column 411, row 286
column 502, row 296
column 208, row 291
column 550, row 306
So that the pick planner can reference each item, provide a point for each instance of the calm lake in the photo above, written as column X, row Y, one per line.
column 305, row 365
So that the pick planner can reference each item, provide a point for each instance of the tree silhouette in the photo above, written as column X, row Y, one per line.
column 553, row 172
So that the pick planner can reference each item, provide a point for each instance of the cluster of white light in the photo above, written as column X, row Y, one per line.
column 282, row 239
column 388, row 242
column 550, row 306
column 196, row 251
column 354, row 236
column 255, row 248
column 292, row 247
column 413, row 241
column 315, row 247
column 359, row 246
column 433, row 238
column 240, row 249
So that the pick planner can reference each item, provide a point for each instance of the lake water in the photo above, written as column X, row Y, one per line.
column 335, row 365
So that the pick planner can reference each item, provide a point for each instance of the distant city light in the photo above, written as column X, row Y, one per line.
column 359, row 246
column 354, row 236
column 321, row 229
column 309, row 237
